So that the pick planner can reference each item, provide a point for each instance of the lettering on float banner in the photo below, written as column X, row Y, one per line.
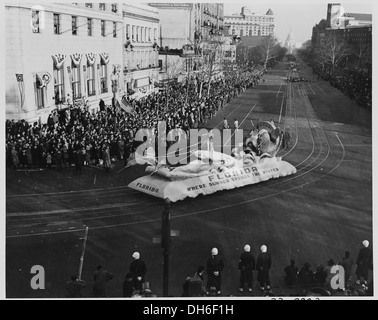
column 149, row 189
column 229, row 179
column 234, row 177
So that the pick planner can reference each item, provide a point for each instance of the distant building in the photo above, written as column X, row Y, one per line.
column 337, row 18
column 290, row 43
column 185, row 28
column 250, row 24
column 59, row 53
column 140, row 49
column 354, row 28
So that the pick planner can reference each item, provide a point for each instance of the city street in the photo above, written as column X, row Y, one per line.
column 312, row 216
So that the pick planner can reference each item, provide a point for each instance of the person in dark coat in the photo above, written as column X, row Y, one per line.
column 214, row 269
column 102, row 105
column 246, row 267
column 347, row 263
column 100, row 278
column 138, row 270
column 127, row 286
column 74, row 286
column 79, row 161
column 263, row 265
column 306, row 275
column 364, row 263
column 291, row 273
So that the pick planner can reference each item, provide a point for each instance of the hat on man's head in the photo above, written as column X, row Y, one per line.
column 136, row 255
column 331, row 262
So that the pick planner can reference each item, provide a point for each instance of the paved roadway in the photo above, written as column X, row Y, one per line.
column 312, row 216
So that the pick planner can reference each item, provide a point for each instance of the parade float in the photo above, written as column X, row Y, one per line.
column 210, row 171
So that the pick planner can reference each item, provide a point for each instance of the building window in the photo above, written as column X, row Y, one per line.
column 40, row 94
column 104, row 77
column 114, row 8
column 89, row 24
column 155, row 34
column 74, row 26
column 102, row 6
column 91, row 88
column 36, row 21
column 114, row 29
column 76, row 91
column 89, row 5
column 133, row 34
column 149, row 34
column 59, row 85
column 127, row 32
column 56, row 23
column 103, row 28
column 137, row 34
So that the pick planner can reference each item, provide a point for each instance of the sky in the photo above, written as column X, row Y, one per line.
column 300, row 16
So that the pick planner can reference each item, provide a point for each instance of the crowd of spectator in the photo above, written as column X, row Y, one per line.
column 345, row 277
column 74, row 136
column 356, row 84
column 321, row 280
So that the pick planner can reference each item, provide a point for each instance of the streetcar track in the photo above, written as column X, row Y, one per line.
column 317, row 129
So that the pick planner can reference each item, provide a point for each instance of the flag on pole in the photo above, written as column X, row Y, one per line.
column 125, row 106
column 21, row 88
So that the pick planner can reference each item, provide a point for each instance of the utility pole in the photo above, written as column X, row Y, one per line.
column 166, row 244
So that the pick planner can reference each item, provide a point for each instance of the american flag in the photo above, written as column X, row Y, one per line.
column 21, row 88
column 125, row 106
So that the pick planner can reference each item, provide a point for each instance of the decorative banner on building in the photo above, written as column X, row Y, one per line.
column 99, row 77
column 21, row 88
column 76, row 58
column 58, row 60
column 44, row 78
column 91, row 58
column 105, row 58
column 162, row 184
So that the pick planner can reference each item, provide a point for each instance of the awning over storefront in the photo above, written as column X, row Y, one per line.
column 142, row 82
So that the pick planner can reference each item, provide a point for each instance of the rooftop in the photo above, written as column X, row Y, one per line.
column 360, row 16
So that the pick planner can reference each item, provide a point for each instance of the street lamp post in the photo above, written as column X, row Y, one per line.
column 166, row 244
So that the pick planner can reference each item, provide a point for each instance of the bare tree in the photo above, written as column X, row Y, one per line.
column 362, row 52
column 333, row 51
column 210, row 64
column 268, row 48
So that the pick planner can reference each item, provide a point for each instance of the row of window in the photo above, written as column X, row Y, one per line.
column 74, row 25
column 253, row 33
column 260, row 19
column 102, row 6
column 76, row 79
column 140, row 34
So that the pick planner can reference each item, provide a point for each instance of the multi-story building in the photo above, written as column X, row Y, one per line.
column 185, row 28
column 140, row 49
column 59, row 53
column 248, row 23
column 354, row 28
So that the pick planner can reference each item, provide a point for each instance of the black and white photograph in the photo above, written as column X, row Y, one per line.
column 188, row 151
